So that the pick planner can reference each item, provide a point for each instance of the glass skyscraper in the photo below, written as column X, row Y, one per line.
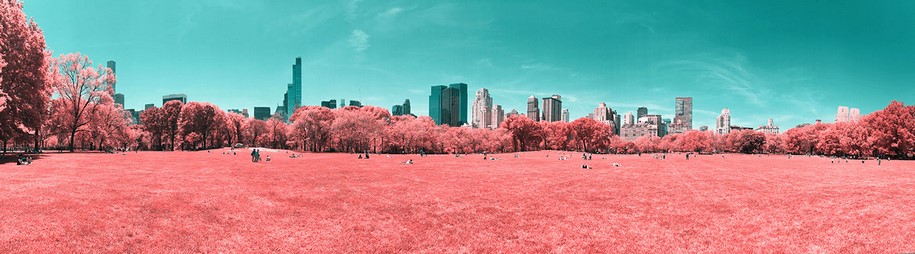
column 293, row 98
column 448, row 104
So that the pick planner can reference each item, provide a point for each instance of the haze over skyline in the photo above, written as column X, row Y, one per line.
column 791, row 61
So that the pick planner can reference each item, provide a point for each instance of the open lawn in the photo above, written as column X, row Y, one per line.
column 210, row 202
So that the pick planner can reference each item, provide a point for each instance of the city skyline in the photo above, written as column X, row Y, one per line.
column 795, row 69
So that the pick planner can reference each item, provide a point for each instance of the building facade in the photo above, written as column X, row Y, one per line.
column 552, row 108
column 482, row 109
column 533, row 109
column 331, row 104
column 565, row 115
column 262, row 113
column 683, row 115
column 723, row 123
column 498, row 116
column 448, row 104
column 641, row 112
column 174, row 97
column 292, row 100
column 768, row 128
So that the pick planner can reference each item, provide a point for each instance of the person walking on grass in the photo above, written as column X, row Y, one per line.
column 253, row 152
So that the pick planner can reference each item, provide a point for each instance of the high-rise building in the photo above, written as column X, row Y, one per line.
column 448, row 104
column 331, row 104
column 723, row 124
column 498, row 115
column 114, row 70
column 402, row 109
column 511, row 113
column 606, row 115
column 683, row 115
column 641, row 112
column 649, row 125
column 533, row 110
column 174, row 97
column 355, row 103
column 243, row 112
column 854, row 114
column 768, row 128
column 262, row 113
column 565, row 115
column 552, row 108
column 406, row 107
column 119, row 99
column 846, row 114
column 280, row 112
column 482, row 109
column 149, row 105
column 293, row 97
column 629, row 119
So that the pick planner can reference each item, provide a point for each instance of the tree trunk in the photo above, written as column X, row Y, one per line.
column 72, row 137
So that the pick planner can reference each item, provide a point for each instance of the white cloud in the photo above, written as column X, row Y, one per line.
column 359, row 40
column 391, row 12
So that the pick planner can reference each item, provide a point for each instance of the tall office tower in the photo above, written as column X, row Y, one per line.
column 293, row 98
column 842, row 115
column 342, row 103
column 119, row 99
column 498, row 115
column 854, row 114
column 533, row 110
column 174, row 97
column 565, row 115
column 602, row 113
column 552, row 108
column 262, row 113
column 629, row 119
column 512, row 113
column 448, row 104
column 482, row 109
column 683, row 114
column 397, row 110
column 641, row 112
column 114, row 70
column 149, row 105
column 723, row 124
column 406, row 107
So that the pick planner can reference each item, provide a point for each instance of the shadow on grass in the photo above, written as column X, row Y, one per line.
column 11, row 157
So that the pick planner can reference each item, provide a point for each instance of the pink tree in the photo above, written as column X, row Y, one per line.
column 276, row 132
column 171, row 111
column 525, row 132
column 557, row 135
column 254, row 131
column 81, row 89
column 200, row 118
column 24, row 89
column 590, row 135
column 695, row 141
column 235, row 123
column 891, row 130
column 311, row 126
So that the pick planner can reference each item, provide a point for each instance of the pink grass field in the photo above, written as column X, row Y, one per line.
column 210, row 202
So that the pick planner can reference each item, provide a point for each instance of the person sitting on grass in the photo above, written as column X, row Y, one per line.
column 360, row 156
column 410, row 161
column 23, row 160
column 268, row 157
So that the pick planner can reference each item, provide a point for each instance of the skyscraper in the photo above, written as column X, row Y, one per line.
column 723, row 124
column 293, row 97
column 149, row 105
column 641, row 112
column 119, row 99
column 174, row 97
column 565, row 115
column 683, row 115
column 406, row 107
column 448, row 104
column 113, row 66
column 262, row 113
column 498, row 115
column 397, row 110
column 552, row 108
column 629, row 119
column 533, row 110
column 355, row 103
column 482, row 109
column 846, row 114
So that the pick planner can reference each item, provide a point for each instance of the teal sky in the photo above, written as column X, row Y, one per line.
column 794, row 61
